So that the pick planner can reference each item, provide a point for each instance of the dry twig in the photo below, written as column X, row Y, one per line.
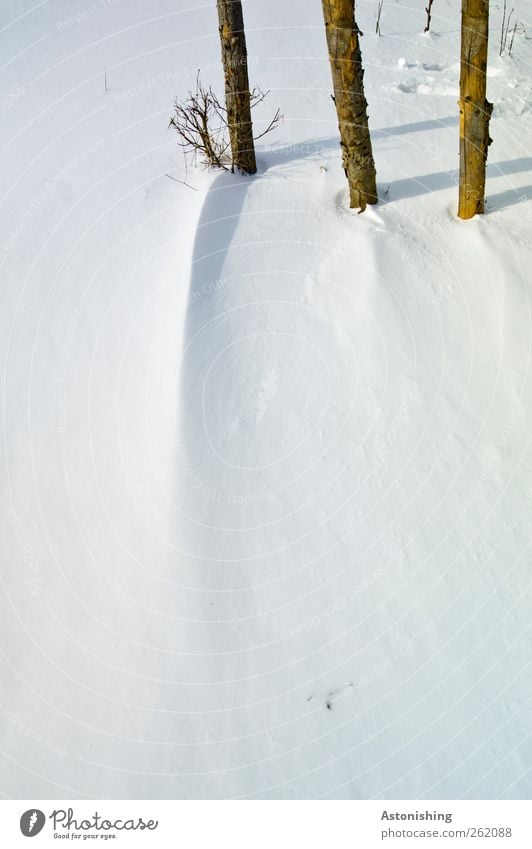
column 201, row 124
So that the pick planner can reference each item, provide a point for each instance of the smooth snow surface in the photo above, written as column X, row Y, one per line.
column 266, row 469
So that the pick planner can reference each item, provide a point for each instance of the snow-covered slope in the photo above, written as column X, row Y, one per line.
column 266, row 499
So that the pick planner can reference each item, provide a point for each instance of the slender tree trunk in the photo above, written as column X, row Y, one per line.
column 348, row 82
column 237, row 96
column 475, row 111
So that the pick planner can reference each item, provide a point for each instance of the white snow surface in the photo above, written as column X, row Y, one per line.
column 266, row 472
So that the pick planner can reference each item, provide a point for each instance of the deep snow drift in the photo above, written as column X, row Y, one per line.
column 266, row 468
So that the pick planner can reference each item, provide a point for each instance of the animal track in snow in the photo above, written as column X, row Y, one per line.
column 420, row 83
column 427, row 86
column 425, row 66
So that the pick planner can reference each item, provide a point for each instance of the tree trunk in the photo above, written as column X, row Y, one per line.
column 351, row 106
column 237, row 96
column 475, row 111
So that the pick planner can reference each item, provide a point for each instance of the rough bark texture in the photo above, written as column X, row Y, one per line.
column 475, row 111
column 237, row 95
column 351, row 106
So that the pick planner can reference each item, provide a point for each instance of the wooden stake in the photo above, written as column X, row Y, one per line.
column 475, row 111
column 237, row 95
column 343, row 41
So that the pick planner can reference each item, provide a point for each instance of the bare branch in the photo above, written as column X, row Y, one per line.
column 380, row 4
column 201, row 123
column 428, row 10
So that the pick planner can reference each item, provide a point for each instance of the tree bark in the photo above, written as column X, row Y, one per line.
column 475, row 111
column 237, row 95
column 348, row 82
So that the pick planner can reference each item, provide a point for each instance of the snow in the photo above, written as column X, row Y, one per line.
column 266, row 501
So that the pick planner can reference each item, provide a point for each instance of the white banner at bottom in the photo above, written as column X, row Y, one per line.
column 268, row 824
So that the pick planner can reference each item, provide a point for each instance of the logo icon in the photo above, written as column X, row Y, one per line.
column 32, row 822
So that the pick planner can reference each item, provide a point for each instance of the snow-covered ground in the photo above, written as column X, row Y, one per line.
column 266, row 470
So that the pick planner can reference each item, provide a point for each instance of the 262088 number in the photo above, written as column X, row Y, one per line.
column 490, row 831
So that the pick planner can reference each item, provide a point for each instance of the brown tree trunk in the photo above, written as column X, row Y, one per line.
column 351, row 106
column 237, row 96
column 475, row 111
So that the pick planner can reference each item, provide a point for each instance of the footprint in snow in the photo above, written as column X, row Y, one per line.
column 426, row 66
column 419, row 84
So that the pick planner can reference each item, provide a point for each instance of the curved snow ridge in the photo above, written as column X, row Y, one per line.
column 262, row 336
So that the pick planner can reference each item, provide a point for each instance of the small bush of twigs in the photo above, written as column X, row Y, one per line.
column 203, row 130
